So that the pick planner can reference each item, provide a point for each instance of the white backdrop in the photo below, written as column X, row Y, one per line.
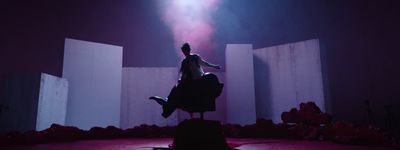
column 259, row 83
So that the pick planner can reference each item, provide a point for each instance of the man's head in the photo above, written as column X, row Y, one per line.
column 185, row 49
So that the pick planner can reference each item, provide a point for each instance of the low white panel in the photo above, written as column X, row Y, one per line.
column 52, row 105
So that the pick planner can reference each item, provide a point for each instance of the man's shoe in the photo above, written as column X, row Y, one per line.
column 158, row 99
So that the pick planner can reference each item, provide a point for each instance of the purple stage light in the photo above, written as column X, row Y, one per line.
column 190, row 21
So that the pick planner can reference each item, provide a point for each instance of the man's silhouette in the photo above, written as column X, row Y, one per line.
column 191, row 66
column 196, row 91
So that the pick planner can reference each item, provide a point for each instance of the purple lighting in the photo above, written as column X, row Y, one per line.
column 190, row 21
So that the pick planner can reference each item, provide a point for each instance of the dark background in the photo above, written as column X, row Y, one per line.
column 360, row 39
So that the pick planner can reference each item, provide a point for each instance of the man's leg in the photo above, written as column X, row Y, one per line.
column 173, row 101
column 158, row 99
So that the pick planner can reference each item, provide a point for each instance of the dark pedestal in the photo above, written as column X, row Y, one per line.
column 199, row 134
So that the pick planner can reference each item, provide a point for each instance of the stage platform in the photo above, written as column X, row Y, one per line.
column 150, row 143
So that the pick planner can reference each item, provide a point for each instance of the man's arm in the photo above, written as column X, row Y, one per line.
column 207, row 64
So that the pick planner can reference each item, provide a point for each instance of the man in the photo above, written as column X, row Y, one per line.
column 191, row 66
column 189, row 94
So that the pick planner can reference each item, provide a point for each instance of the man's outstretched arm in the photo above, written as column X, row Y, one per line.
column 207, row 64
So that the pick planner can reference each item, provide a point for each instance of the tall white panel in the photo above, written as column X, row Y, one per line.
column 94, row 74
column 240, row 102
column 52, row 105
column 287, row 75
column 138, row 85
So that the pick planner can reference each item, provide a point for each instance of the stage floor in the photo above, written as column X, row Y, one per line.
column 149, row 144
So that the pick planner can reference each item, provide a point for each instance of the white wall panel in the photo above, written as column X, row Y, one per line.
column 287, row 75
column 240, row 102
column 32, row 102
column 94, row 73
column 52, row 105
